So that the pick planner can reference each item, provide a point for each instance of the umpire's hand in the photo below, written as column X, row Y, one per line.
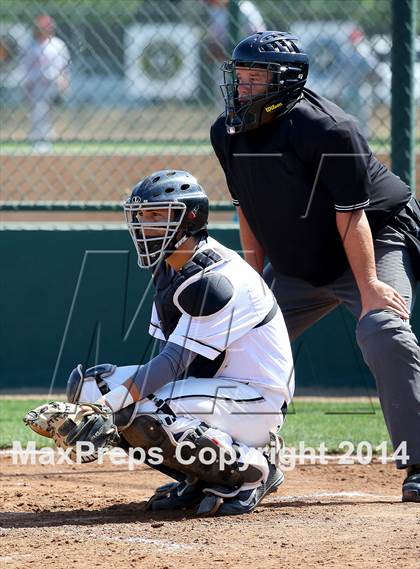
column 378, row 295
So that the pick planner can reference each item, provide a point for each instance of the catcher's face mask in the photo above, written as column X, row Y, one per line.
column 153, row 228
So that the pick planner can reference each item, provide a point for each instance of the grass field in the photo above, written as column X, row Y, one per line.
column 312, row 422
column 143, row 148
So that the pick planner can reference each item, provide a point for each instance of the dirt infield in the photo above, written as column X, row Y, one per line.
column 91, row 516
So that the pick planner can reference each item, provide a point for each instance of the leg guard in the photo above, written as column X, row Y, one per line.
column 195, row 452
column 178, row 476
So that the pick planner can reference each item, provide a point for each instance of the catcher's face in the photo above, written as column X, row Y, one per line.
column 152, row 228
column 154, row 220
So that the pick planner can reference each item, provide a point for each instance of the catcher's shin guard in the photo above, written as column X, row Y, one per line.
column 193, row 453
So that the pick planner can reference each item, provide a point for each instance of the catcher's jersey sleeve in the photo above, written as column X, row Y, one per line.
column 154, row 326
column 223, row 322
column 211, row 335
column 230, row 315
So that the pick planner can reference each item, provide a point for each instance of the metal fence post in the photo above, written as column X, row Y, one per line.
column 402, row 89
column 233, row 24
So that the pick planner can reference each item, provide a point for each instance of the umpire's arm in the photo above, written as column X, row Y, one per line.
column 253, row 251
column 357, row 239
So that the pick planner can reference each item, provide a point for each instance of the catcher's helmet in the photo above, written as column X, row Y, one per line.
column 286, row 67
column 176, row 193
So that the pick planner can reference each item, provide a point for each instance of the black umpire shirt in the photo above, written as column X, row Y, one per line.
column 291, row 176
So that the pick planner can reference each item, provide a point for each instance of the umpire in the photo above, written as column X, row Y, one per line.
column 335, row 224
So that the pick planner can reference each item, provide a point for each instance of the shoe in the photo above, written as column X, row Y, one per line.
column 245, row 501
column 411, row 484
column 176, row 496
column 274, row 480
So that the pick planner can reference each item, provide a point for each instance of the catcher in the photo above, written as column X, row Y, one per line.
column 223, row 378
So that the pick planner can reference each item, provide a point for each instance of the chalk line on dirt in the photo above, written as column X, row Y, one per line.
column 354, row 494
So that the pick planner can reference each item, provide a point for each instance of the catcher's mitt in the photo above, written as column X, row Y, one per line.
column 69, row 424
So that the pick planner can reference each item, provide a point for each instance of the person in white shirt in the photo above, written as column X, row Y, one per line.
column 224, row 377
column 46, row 64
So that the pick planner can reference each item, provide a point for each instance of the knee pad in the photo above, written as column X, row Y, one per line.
column 233, row 474
column 191, row 453
column 145, row 432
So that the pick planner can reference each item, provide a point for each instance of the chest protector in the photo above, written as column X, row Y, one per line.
column 166, row 282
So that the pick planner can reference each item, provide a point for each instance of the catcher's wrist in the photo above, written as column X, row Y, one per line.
column 116, row 399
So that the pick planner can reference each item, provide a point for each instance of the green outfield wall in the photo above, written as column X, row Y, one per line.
column 73, row 293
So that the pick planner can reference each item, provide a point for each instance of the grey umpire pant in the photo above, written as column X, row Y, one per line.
column 389, row 347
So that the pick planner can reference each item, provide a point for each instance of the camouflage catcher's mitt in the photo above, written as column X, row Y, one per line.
column 69, row 424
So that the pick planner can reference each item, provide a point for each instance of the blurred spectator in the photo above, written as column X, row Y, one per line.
column 46, row 79
column 217, row 40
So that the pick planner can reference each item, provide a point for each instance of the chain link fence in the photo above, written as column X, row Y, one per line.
column 96, row 94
